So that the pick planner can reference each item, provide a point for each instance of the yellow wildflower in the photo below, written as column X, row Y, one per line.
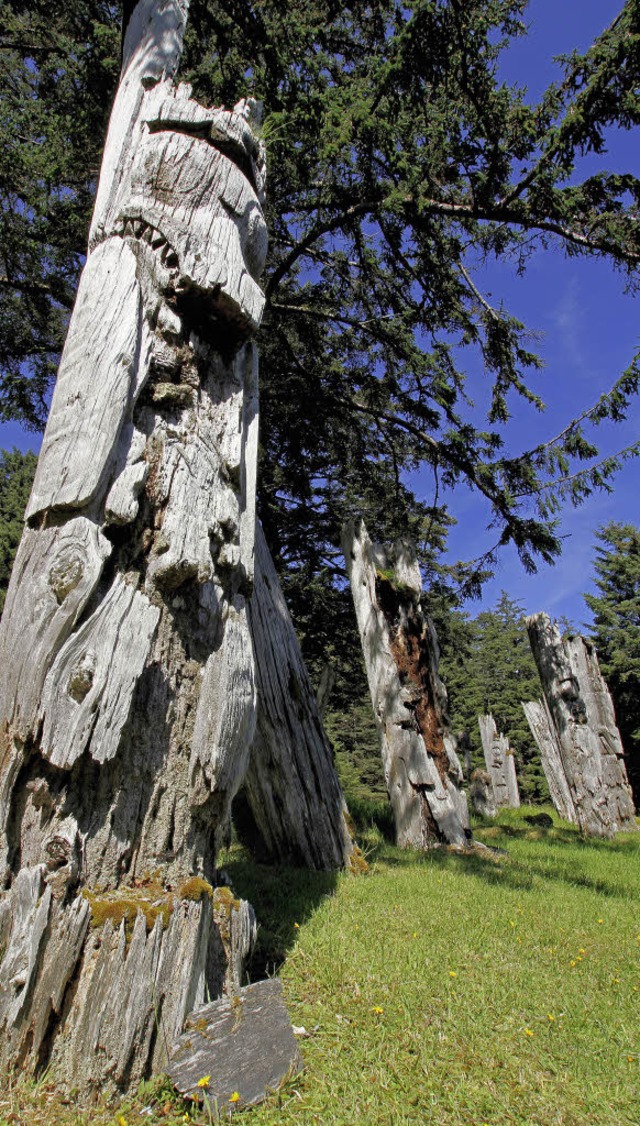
column 600, row 920
column 572, row 962
column 528, row 1032
column 582, row 950
column 631, row 1059
column 296, row 926
column 234, row 1098
column 121, row 1121
column 204, row 1082
column 550, row 1016
column 376, row 1009
column 452, row 973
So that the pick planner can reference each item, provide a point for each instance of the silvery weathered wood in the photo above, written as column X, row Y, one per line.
column 244, row 1044
column 542, row 729
column 422, row 771
column 87, row 696
column 481, row 794
column 583, row 719
column 292, row 786
column 501, row 764
column 93, row 396
column 464, row 753
column 127, row 685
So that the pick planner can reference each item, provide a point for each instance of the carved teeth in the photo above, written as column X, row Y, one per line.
column 138, row 227
column 169, row 258
column 156, row 239
column 128, row 228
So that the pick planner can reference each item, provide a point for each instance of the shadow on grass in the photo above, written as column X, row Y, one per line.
column 565, row 859
column 281, row 898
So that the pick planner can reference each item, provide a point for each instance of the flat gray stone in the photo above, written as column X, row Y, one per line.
column 243, row 1043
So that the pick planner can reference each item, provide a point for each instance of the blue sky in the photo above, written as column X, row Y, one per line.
column 589, row 330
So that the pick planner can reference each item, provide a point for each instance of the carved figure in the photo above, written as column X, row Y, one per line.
column 581, row 731
column 127, row 683
column 400, row 647
column 501, row 764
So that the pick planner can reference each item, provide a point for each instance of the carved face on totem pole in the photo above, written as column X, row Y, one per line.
column 151, row 448
column 194, row 193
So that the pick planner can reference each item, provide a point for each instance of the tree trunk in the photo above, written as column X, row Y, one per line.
column 543, row 731
column 126, row 665
column 422, row 771
column 583, row 719
column 501, row 764
column 291, row 784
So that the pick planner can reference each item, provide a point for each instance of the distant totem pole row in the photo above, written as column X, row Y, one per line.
column 574, row 725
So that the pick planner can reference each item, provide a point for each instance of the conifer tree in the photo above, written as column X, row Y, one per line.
column 487, row 667
column 616, row 632
column 16, row 477
column 399, row 165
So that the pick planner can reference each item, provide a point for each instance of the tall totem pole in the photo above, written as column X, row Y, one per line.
column 127, row 687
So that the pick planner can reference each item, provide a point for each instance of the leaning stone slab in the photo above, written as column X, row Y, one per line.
column 243, row 1044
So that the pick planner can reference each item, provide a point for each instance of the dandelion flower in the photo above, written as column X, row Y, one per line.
column 377, row 1009
column 572, row 962
column 582, row 950
column 550, row 1016
column 296, row 926
column 452, row 973
column 204, row 1082
column 600, row 921
column 121, row 1121
column 234, row 1098
column 631, row 1059
column 528, row 1032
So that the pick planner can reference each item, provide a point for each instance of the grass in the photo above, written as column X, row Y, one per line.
column 445, row 989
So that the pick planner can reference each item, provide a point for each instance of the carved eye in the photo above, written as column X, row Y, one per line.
column 255, row 251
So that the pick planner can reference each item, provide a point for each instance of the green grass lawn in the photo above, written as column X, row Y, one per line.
column 448, row 989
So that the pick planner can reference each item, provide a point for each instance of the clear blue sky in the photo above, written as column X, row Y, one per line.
column 589, row 331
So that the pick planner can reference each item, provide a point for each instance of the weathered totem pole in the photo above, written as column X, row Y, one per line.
column 501, row 764
column 291, row 784
column 481, row 794
column 422, row 771
column 127, row 684
column 581, row 715
column 543, row 731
